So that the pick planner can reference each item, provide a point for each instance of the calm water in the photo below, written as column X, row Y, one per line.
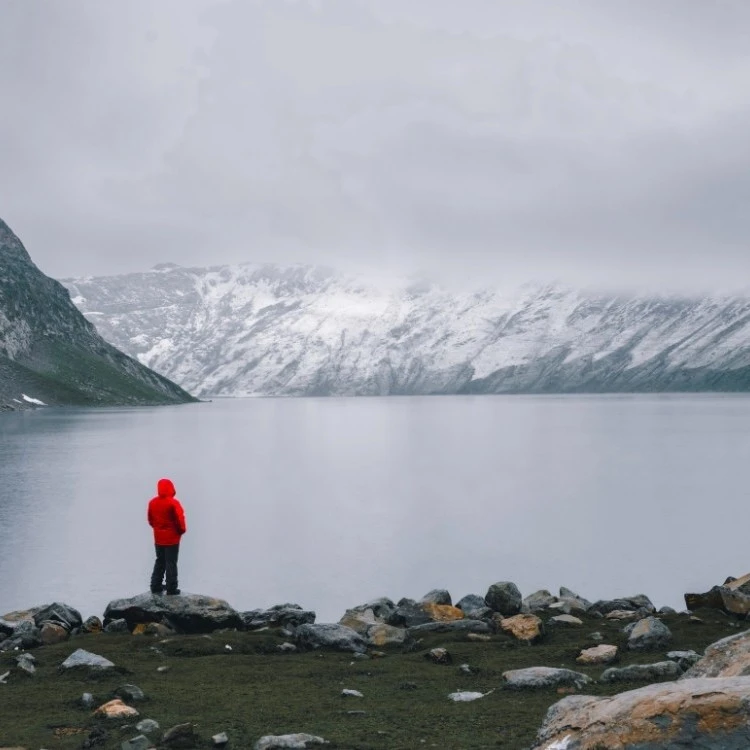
column 331, row 502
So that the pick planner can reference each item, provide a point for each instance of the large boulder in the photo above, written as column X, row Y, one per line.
column 185, row 613
column 525, row 628
column 504, row 597
column 407, row 614
column 539, row 600
column 453, row 626
column 279, row 616
column 576, row 602
column 329, row 635
column 642, row 672
column 732, row 596
column 729, row 657
column 711, row 714
column 437, row 596
column 443, row 612
column 474, row 606
column 60, row 613
column 544, row 677
column 649, row 634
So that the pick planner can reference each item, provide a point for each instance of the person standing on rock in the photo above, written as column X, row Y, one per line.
column 167, row 518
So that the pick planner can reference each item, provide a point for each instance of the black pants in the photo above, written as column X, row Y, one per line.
column 166, row 562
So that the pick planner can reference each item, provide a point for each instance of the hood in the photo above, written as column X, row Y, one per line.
column 165, row 488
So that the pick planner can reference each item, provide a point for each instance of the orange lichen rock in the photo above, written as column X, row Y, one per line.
column 443, row 612
column 527, row 628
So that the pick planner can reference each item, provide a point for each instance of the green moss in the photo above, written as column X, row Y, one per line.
column 254, row 690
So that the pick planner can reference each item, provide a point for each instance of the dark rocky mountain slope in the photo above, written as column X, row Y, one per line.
column 50, row 353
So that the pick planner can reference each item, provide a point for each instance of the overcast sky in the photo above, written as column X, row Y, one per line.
column 595, row 141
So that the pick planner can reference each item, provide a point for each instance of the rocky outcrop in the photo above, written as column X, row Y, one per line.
column 711, row 714
column 729, row 657
column 186, row 613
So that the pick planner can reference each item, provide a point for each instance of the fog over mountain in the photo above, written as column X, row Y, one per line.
column 303, row 330
column 599, row 143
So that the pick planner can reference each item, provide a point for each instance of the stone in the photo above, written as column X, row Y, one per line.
column 25, row 635
column 286, row 648
column 443, row 612
column 709, row 600
column 289, row 616
column 455, row 626
column 473, row 606
column 92, row 625
column 736, row 602
column 180, row 736
column 116, row 709
column 186, row 613
column 52, row 632
column 478, row 637
column 437, row 596
column 26, row 663
column 642, row 672
column 685, row 659
column 329, row 635
column 576, row 602
column 359, row 620
column 527, row 628
column 602, row 654
column 568, row 621
column 649, row 634
column 631, row 603
column 381, row 634
column 288, row 742
column 220, row 739
column 81, row 658
column 147, row 726
column 466, row 696
column 711, row 714
column 87, row 701
column 131, row 693
column 62, row 614
column 666, row 611
column 504, row 597
column 539, row 600
column 439, row 656
column 141, row 742
column 729, row 657
column 408, row 614
column 119, row 625
column 544, row 677
column 351, row 694
column 622, row 614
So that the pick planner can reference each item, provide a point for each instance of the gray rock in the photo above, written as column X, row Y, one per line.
column 147, row 726
column 288, row 742
column 87, row 701
column 728, row 657
column 288, row 616
column 544, row 677
column 26, row 663
column 346, row 693
column 642, row 672
column 92, row 625
column 504, row 597
column 452, row 626
column 62, row 614
column 408, row 614
column 649, row 634
column 220, row 739
column 81, row 658
column 576, row 601
column 539, row 600
column 180, row 736
column 568, row 621
column 286, row 648
column 186, row 613
column 25, row 635
column 439, row 656
column 626, row 603
column 437, row 596
column 685, row 659
column 117, row 626
column 666, row 611
column 329, row 635
column 130, row 693
column 141, row 742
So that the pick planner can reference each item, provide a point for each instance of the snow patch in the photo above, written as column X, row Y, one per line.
column 31, row 400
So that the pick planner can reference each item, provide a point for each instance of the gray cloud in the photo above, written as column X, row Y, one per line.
column 600, row 143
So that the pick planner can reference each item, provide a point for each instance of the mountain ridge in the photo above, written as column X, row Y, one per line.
column 51, row 354
column 265, row 329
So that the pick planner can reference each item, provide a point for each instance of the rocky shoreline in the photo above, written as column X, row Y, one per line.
column 678, row 696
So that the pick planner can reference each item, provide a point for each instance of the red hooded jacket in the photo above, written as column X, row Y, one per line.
column 166, row 516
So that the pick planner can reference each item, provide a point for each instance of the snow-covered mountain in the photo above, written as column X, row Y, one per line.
column 299, row 330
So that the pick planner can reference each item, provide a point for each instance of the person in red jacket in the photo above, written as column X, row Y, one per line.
column 167, row 518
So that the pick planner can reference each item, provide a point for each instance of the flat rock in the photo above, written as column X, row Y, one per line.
column 81, row 658
column 116, row 709
column 544, row 677
column 711, row 714
column 729, row 657
column 288, row 742
column 330, row 635
column 527, row 628
column 569, row 621
column 456, row 626
column 186, row 613
column 642, row 672
column 649, row 634
column 602, row 654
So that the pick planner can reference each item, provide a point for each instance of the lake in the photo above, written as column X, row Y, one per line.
column 331, row 502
